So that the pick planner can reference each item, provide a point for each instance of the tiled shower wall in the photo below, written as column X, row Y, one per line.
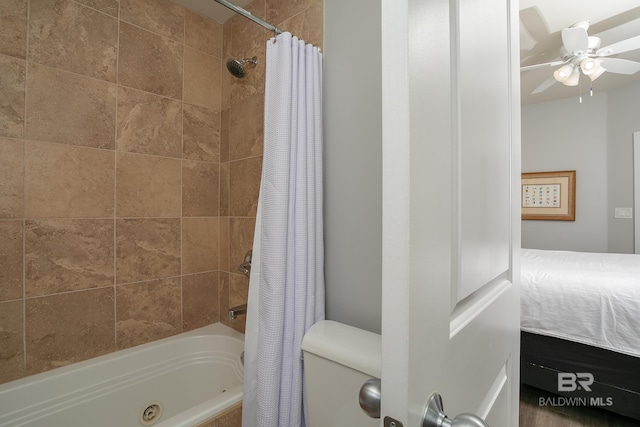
column 109, row 177
column 130, row 163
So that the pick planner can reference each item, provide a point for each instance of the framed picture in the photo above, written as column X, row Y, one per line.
column 549, row 196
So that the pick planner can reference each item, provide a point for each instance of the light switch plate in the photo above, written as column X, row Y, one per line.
column 624, row 213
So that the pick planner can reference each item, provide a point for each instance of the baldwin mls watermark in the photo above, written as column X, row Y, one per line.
column 568, row 381
column 575, row 382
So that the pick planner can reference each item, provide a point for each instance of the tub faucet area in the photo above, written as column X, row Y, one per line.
column 244, row 268
column 235, row 311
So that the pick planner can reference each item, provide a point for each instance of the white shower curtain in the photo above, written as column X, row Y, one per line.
column 286, row 290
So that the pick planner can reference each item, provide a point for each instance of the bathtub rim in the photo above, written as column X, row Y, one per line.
column 31, row 382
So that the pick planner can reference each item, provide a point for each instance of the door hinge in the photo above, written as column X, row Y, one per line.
column 391, row 422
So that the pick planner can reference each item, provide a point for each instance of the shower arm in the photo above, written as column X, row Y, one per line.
column 248, row 15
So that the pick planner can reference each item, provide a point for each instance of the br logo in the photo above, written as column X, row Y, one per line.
column 568, row 381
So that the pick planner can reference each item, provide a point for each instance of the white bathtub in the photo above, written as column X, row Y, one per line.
column 193, row 376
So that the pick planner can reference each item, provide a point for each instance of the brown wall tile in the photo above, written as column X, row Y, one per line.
column 147, row 186
column 296, row 25
column 224, row 300
column 12, row 94
column 11, row 249
column 149, row 62
column 224, row 135
column 246, row 128
column 200, row 246
column 67, row 328
column 66, row 35
column 200, row 183
column 201, row 139
column 67, row 255
column 13, row 21
column 248, row 40
column 225, row 265
column 201, row 79
column 203, row 34
column 162, row 17
column 238, row 289
column 147, row 311
column 70, row 109
column 231, row 417
column 200, row 294
column 11, row 178
column 107, row 6
column 252, row 84
column 11, row 350
column 225, row 83
column 244, row 189
column 315, row 22
column 149, row 124
column 147, row 249
column 279, row 10
column 69, row 182
column 62, row 181
column 227, row 37
column 224, row 189
column 240, row 240
column 225, row 304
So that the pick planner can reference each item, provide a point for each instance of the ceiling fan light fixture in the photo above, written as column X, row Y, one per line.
column 563, row 73
column 573, row 79
column 589, row 66
column 598, row 72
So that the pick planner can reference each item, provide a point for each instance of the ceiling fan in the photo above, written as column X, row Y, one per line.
column 582, row 53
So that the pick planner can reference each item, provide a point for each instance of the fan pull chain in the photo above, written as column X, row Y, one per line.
column 580, row 86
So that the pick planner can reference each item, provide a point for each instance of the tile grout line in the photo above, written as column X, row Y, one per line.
column 182, row 162
column 115, row 191
column 24, row 205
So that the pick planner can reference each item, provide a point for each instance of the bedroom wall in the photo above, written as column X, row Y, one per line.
column 567, row 135
column 623, row 119
column 595, row 138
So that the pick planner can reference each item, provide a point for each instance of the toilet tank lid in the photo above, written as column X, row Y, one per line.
column 353, row 347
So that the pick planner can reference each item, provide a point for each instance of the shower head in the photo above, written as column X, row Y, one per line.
column 236, row 67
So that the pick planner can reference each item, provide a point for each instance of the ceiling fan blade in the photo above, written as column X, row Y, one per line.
column 544, row 86
column 534, row 23
column 620, row 47
column 575, row 39
column 615, row 20
column 546, row 64
column 620, row 66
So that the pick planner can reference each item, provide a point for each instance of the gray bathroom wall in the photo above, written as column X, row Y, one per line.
column 353, row 163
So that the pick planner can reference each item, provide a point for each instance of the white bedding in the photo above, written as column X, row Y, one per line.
column 591, row 298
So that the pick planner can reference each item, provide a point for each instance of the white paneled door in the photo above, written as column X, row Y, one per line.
column 451, row 216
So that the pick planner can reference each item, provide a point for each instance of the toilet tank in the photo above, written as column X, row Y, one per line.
column 338, row 359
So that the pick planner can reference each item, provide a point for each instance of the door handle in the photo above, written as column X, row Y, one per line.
column 434, row 416
column 369, row 397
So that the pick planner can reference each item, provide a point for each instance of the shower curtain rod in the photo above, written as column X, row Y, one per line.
column 248, row 15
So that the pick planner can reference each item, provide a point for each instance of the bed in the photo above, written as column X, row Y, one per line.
column 580, row 316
